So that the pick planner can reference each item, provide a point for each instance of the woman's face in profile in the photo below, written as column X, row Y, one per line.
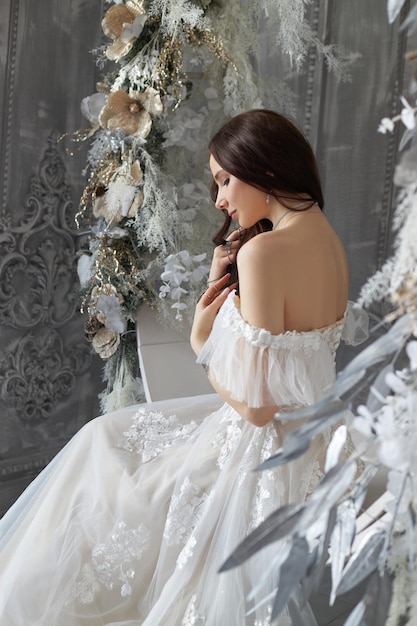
column 244, row 203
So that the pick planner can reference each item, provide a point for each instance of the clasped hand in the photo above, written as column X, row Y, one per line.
column 224, row 255
column 216, row 293
column 206, row 310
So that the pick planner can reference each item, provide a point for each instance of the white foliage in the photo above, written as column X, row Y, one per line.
column 175, row 14
column 294, row 35
column 156, row 223
column 406, row 249
column 127, row 390
column 335, row 447
column 388, row 279
column 103, row 144
column 377, row 286
column 183, row 273
column 393, row 9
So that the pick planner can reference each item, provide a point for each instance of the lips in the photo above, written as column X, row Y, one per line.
column 232, row 215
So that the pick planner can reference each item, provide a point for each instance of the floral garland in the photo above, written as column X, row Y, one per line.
column 137, row 222
column 174, row 80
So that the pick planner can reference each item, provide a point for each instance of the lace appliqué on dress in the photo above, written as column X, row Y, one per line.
column 267, row 620
column 184, row 512
column 187, row 552
column 113, row 563
column 192, row 617
column 228, row 438
column 267, row 484
column 152, row 432
column 311, row 478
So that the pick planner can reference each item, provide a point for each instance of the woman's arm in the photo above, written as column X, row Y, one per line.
column 253, row 276
column 256, row 416
column 206, row 310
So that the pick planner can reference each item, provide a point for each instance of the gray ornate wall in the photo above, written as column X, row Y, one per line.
column 341, row 119
column 49, row 379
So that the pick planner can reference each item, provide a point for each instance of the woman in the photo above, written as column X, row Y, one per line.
column 131, row 522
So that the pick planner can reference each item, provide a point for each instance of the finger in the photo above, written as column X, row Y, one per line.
column 215, row 290
column 219, row 299
column 234, row 235
column 219, row 284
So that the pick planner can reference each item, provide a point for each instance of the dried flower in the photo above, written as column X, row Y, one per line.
column 85, row 269
column 123, row 23
column 91, row 327
column 131, row 112
column 91, row 107
column 110, row 313
column 122, row 198
column 121, row 201
column 106, row 342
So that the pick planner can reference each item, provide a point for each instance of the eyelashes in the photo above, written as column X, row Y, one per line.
column 215, row 186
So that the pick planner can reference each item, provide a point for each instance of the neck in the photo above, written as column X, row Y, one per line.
column 275, row 225
column 296, row 210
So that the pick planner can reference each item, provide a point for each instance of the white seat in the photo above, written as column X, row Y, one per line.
column 167, row 361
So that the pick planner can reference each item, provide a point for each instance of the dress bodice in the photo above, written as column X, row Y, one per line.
column 307, row 341
column 289, row 370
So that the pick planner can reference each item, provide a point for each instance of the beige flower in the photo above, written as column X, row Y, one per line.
column 123, row 23
column 122, row 198
column 119, row 202
column 105, row 342
column 131, row 111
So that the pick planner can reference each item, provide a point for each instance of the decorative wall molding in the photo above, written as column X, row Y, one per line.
column 37, row 372
column 38, row 280
column 312, row 70
column 10, row 71
column 388, row 197
column 39, row 292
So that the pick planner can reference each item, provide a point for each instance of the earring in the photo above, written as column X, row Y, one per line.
column 268, row 198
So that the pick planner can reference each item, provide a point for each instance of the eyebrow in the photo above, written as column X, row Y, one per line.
column 220, row 171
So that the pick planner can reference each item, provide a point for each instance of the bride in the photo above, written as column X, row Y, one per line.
column 131, row 522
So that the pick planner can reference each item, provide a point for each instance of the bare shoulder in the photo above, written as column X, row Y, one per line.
column 295, row 278
column 260, row 248
column 262, row 288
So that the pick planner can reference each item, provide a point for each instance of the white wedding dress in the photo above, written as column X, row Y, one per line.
column 132, row 520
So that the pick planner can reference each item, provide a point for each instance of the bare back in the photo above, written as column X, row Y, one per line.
column 294, row 278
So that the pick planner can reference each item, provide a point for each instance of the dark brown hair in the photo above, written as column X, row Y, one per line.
column 266, row 150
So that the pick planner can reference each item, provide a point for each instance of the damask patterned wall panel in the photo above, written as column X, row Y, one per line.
column 49, row 379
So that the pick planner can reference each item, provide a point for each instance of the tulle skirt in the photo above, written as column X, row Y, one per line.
column 132, row 520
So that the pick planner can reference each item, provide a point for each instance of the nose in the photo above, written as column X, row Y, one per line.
column 221, row 201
